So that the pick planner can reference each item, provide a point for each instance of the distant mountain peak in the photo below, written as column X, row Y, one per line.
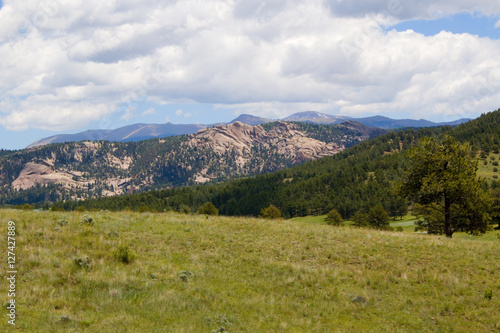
column 251, row 120
column 308, row 115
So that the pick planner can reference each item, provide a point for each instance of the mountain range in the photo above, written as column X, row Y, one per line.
column 87, row 169
column 138, row 132
column 351, row 181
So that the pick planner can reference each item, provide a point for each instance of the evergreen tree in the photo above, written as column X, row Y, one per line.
column 208, row 208
column 271, row 212
column 333, row 218
column 378, row 217
column 360, row 219
column 442, row 179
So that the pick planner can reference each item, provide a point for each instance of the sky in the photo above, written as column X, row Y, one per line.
column 71, row 65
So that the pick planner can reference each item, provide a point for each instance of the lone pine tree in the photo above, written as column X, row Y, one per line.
column 442, row 180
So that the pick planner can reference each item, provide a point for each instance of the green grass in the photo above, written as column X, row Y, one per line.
column 487, row 171
column 316, row 219
column 196, row 274
column 407, row 222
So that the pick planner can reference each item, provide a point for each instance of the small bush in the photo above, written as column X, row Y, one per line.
column 145, row 209
column 185, row 209
column 360, row 219
column 65, row 320
column 81, row 209
column 378, row 217
column 87, row 220
column 399, row 229
column 223, row 324
column 185, row 275
column 334, row 218
column 123, row 255
column 83, row 262
column 25, row 207
column 495, row 163
column 208, row 208
column 271, row 212
column 62, row 222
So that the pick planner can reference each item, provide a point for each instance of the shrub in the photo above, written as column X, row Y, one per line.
column 144, row 209
column 185, row 275
column 81, row 209
column 185, row 209
column 399, row 229
column 208, row 208
column 123, row 255
column 223, row 324
column 334, row 218
column 25, row 207
column 62, row 222
column 271, row 212
column 87, row 220
column 360, row 219
column 83, row 262
column 378, row 217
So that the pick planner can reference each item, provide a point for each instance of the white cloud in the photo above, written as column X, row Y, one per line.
column 81, row 61
column 148, row 112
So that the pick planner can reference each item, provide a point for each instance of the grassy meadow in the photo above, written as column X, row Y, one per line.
column 489, row 168
column 132, row 272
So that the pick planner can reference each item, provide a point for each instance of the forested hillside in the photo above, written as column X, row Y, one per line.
column 82, row 170
column 356, row 179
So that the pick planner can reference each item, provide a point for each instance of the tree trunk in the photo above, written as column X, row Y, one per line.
column 447, row 216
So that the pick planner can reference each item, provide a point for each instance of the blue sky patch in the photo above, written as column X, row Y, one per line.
column 475, row 24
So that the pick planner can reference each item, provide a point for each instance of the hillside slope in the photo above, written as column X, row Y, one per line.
column 102, row 168
column 195, row 274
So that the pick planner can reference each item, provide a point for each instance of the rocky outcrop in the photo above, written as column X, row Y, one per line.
column 35, row 173
column 284, row 139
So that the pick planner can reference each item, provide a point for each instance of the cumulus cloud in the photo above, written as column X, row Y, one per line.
column 67, row 63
